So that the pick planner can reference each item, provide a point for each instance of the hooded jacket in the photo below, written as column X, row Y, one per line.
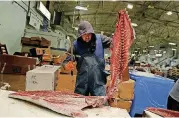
column 86, row 27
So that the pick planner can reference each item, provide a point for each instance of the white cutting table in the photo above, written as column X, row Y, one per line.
column 17, row 108
column 149, row 114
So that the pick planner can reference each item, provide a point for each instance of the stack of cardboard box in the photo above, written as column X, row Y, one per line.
column 125, row 94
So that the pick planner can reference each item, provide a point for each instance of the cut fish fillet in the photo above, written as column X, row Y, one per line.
column 69, row 104
column 163, row 112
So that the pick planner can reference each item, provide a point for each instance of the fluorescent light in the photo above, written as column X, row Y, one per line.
column 68, row 38
column 102, row 32
column 144, row 51
column 169, row 13
column 174, row 49
column 76, row 28
column 106, row 55
column 151, row 46
column 158, row 55
column 81, row 8
column 130, row 6
column 172, row 43
column 134, row 24
column 133, row 55
column 151, row 7
column 44, row 10
column 135, row 51
column 151, row 32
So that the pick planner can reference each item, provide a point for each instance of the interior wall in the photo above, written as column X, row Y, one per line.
column 12, row 24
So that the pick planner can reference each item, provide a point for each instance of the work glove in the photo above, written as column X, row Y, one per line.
column 69, row 66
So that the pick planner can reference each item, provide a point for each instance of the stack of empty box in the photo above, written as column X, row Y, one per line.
column 124, row 96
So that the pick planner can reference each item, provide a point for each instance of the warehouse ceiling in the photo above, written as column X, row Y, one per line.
column 154, row 26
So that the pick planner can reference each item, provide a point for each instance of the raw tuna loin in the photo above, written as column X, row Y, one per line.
column 69, row 104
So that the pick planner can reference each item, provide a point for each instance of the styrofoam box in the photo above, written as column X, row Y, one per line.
column 42, row 78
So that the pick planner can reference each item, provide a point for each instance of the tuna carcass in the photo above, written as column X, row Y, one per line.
column 163, row 112
column 122, row 40
column 69, row 104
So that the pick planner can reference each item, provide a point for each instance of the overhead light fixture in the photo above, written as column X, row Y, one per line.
column 81, row 8
column 134, row 24
column 144, row 51
column 150, row 7
column 151, row 32
column 135, row 51
column 129, row 6
column 132, row 54
column 151, row 46
column 76, row 28
column 68, row 38
column 164, row 52
column 106, row 55
column 102, row 32
column 172, row 43
column 174, row 49
column 169, row 13
column 158, row 55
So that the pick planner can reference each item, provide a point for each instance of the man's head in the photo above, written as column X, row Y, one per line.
column 85, row 31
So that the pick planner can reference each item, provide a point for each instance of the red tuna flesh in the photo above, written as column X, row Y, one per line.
column 122, row 41
column 69, row 104
column 163, row 112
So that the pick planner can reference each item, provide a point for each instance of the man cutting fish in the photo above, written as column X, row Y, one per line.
column 89, row 54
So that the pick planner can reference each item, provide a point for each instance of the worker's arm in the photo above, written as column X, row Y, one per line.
column 107, row 41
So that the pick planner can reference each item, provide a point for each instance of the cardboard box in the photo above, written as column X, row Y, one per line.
column 42, row 78
column 125, row 76
column 25, row 40
column 123, row 104
column 11, row 64
column 63, row 71
column 66, row 82
column 126, row 90
column 16, row 82
column 45, row 42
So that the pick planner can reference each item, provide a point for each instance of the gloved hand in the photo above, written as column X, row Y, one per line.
column 70, row 66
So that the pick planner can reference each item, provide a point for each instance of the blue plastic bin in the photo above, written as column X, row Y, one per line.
column 149, row 92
